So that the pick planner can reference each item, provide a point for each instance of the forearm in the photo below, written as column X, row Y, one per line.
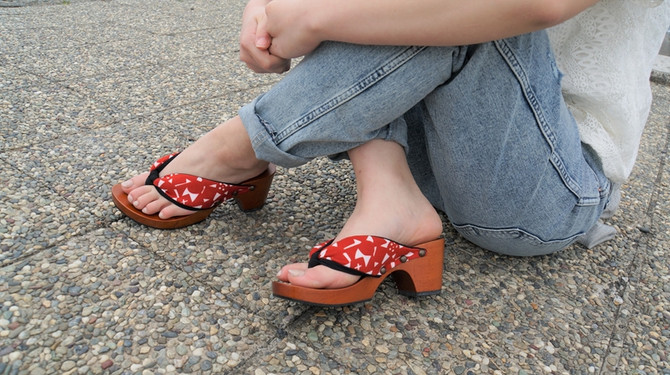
column 434, row 22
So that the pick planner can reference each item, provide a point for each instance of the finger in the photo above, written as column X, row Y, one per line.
column 268, row 64
column 263, row 38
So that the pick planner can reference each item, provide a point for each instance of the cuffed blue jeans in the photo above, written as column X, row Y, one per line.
column 487, row 134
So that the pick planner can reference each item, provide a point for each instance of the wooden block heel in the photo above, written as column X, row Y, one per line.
column 255, row 198
column 423, row 276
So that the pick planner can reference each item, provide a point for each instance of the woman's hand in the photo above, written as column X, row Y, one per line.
column 291, row 25
column 255, row 42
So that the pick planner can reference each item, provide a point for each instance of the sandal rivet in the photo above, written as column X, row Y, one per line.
column 382, row 270
column 252, row 187
column 403, row 259
column 422, row 252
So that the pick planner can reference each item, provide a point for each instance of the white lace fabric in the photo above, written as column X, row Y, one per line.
column 606, row 54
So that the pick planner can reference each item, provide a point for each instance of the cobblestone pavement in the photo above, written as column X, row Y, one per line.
column 92, row 92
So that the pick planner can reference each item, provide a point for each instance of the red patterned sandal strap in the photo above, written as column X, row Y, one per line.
column 363, row 255
column 191, row 192
column 158, row 166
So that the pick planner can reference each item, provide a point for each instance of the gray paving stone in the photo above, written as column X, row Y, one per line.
column 35, row 111
column 32, row 216
column 154, row 88
column 642, row 336
column 83, row 167
column 93, row 92
column 21, row 37
column 102, row 297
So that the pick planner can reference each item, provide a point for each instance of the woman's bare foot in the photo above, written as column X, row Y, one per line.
column 224, row 154
column 389, row 204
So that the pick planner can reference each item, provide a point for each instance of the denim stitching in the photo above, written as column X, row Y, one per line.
column 267, row 126
column 529, row 94
column 394, row 63
column 511, row 233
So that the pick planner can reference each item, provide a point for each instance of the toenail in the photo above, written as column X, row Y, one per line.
column 127, row 183
column 296, row 273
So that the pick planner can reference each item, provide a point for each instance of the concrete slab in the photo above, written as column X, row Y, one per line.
column 155, row 88
column 101, row 302
column 32, row 216
column 93, row 92
column 640, row 342
column 36, row 111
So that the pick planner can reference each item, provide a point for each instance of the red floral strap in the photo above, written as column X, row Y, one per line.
column 363, row 255
column 191, row 192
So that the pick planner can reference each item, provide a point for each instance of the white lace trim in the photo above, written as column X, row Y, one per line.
column 607, row 54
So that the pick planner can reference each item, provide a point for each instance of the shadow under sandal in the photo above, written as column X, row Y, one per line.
column 194, row 193
column 416, row 270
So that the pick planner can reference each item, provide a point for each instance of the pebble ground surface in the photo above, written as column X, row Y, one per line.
column 93, row 92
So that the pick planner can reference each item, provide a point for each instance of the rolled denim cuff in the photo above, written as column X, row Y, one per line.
column 261, row 139
column 265, row 147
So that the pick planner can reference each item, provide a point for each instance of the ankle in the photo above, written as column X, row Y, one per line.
column 408, row 220
column 245, row 163
column 233, row 147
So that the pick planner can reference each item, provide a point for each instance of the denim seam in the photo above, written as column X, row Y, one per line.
column 531, row 99
column 387, row 68
column 516, row 232
column 266, row 126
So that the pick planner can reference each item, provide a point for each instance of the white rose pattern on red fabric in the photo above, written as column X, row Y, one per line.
column 195, row 192
column 370, row 255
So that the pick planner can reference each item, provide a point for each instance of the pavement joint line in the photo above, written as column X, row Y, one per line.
column 158, row 64
column 211, row 288
column 304, row 316
column 632, row 269
column 262, row 351
column 182, row 32
column 641, row 242
column 19, row 148
column 659, row 178
column 207, row 284
column 180, row 106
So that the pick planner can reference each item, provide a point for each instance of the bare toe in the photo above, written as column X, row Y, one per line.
column 142, row 195
column 320, row 277
column 170, row 210
column 297, row 267
column 134, row 183
column 156, row 206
